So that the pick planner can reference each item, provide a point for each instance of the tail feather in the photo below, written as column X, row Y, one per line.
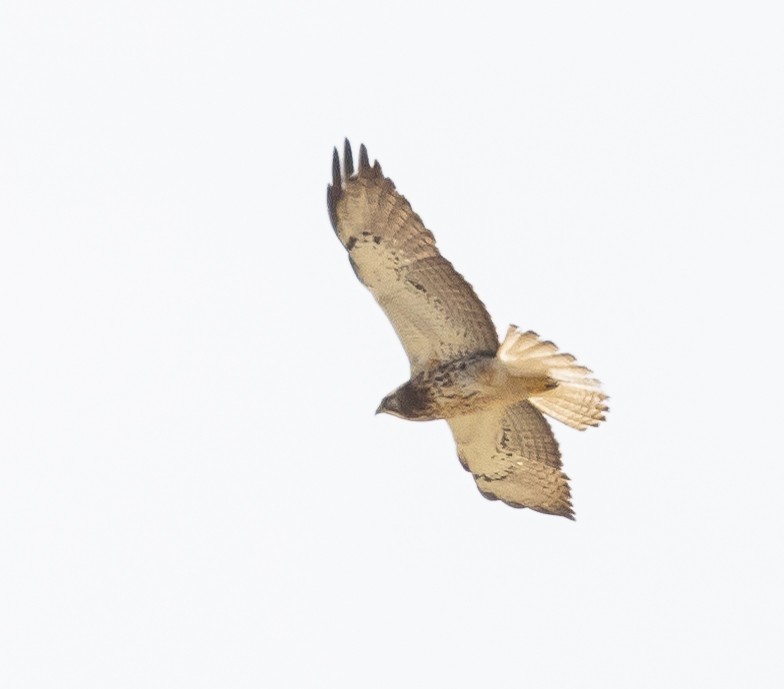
column 577, row 398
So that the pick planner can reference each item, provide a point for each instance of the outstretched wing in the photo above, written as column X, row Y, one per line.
column 514, row 457
column 434, row 311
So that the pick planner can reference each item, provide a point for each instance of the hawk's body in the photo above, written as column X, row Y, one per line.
column 491, row 396
column 460, row 387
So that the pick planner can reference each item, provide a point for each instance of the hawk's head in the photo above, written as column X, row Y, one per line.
column 407, row 402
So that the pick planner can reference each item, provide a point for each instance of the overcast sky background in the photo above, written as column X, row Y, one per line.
column 194, row 491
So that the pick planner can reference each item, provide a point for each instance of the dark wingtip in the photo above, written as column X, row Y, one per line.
column 334, row 190
column 348, row 158
column 364, row 163
column 335, row 168
column 331, row 207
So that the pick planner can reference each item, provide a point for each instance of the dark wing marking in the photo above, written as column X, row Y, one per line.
column 514, row 457
column 434, row 311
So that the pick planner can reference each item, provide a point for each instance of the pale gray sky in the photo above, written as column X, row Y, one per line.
column 194, row 490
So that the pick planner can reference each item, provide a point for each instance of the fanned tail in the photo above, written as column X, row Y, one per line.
column 576, row 399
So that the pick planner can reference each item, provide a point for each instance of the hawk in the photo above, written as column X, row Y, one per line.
column 493, row 395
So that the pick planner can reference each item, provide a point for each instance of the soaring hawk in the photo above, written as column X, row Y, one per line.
column 492, row 395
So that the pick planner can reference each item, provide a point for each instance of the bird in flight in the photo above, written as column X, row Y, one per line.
column 493, row 395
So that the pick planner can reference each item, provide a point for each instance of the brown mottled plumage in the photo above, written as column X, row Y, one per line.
column 492, row 397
